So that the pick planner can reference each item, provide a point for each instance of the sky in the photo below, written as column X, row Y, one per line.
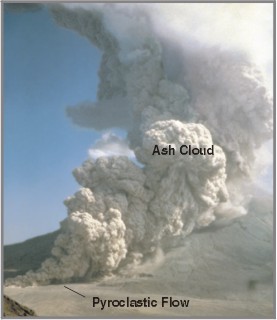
column 46, row 69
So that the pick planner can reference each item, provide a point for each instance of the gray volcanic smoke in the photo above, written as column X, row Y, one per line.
column 163, row 90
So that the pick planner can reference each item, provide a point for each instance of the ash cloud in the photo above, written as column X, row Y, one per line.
column 23, row 7
column 163, row 90
column 106, row 114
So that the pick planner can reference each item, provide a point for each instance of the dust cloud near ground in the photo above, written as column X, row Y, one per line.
column 225, row 271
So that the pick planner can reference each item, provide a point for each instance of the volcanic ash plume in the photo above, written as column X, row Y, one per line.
column 214, row 96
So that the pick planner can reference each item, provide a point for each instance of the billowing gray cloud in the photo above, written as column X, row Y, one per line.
column 23, row 7
column 101, row 115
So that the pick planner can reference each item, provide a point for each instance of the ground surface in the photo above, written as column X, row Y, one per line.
column 14, row 309
column 57, row 301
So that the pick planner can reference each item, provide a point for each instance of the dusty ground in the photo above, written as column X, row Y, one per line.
column 58, row 301
column 14, row 309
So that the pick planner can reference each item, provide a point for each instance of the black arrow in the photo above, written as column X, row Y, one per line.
column 75, row 292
